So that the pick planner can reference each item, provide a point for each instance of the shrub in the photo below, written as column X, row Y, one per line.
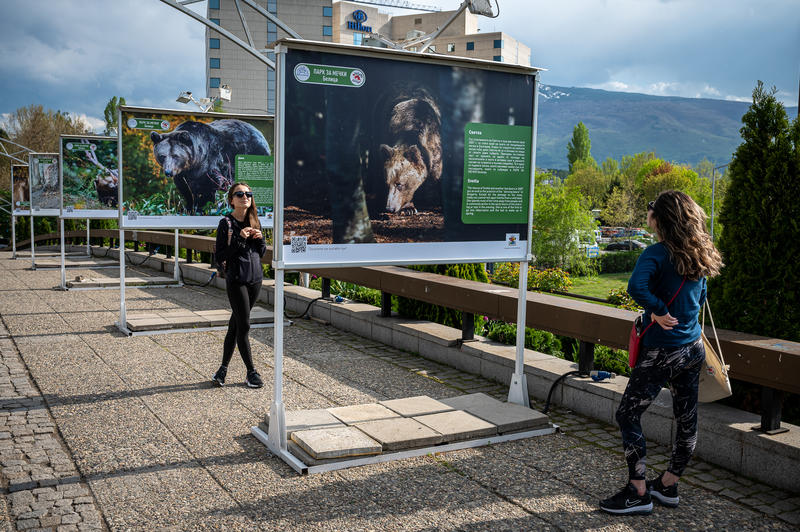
column 620, row 298
column 549, row 280
column 619, row 261
column 614, row 360
column 542, row 341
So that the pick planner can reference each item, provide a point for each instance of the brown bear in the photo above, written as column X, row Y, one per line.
column 416, row 151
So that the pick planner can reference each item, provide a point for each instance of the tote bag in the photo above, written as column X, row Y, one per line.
column 714, row 381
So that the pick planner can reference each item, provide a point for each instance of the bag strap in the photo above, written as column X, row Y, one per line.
column 668, row 304
column 713, row 328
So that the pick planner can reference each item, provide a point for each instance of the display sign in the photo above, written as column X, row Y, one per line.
column 89, row 177
column 20, row 190
column 45, row 184
column 419, row 160
column 177, row 166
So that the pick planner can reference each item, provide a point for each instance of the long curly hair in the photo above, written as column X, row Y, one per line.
column 681, row 226
column 252, row 212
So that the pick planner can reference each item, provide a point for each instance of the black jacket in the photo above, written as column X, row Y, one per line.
column 243, row 257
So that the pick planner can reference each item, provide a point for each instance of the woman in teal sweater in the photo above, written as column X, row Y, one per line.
column 675, row 269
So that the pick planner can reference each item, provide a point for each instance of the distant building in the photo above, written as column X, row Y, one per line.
column 253, row 84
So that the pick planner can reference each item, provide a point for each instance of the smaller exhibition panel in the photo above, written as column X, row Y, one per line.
column 89, row 177
column 45, row 186
column 20, row 190
column 177, row 166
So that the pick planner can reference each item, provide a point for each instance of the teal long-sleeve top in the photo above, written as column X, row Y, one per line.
column 653, row 283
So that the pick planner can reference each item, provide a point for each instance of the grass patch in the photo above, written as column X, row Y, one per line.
column 599, row 286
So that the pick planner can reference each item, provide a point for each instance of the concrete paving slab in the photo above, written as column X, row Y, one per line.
column 148, row 324
column 508, row 417
column 335, row 442
column 400, row 433
column 362, row 413
column 416, row 406
column 457, row 425
column 105, row 282
column 318, row 418
column 261, row 315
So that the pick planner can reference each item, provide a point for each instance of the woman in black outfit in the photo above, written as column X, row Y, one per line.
column 240, row 246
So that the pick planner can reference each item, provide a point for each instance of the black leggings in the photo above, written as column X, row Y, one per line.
column 680, row 367
column 242, row 298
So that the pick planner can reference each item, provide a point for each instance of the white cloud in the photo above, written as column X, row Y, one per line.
column 98, row 125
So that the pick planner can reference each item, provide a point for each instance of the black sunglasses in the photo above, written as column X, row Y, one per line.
column 651, row 205
column 241, row 194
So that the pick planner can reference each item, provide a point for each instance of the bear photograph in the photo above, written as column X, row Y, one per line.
column 90, row 173
column 44, row 181
column 182, row 164
column 20, row 187
column 384, row 161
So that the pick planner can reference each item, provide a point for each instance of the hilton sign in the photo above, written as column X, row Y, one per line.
column 356, row 24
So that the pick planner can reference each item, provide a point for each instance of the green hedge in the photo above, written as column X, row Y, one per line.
column 619, row 261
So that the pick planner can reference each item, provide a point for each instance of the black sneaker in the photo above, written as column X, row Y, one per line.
column 219, row 376
column 665, row 495
column 628, row 502
column 254, row 379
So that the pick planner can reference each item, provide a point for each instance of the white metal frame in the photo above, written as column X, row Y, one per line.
column 34, row 213
column 304, row 469
column 276, row 439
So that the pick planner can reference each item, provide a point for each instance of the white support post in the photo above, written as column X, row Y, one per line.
column 518, row 391
column 13, row 236
column 88, row 236
column 63, row 256
column 176, row 274
column 277, row 413
column 123, row 319
column 33, row 245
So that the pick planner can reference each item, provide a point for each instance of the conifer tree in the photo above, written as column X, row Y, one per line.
column 759, row 288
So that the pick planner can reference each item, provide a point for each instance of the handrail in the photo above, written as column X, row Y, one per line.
column 769, row 362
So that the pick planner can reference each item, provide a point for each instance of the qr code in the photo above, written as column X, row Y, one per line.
column 299, row 244
column 133, row 215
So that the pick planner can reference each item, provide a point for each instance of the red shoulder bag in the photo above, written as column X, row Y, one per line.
column 637, row 331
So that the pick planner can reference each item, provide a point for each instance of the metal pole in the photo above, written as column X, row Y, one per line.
column 13, row 234
column 277, row 414
column 33, row 258
column 518, row 391
column 88, row 236
column 713, row 192
column 63, row 258
column 177, row 273
column 122, row 317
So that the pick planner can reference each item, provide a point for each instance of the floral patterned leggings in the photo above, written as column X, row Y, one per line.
column 680, row 368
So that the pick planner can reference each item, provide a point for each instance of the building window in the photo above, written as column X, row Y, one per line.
column 272, row 7
column 213, row 83
column 272, row 27
column 432, row 48
column 498, row 43
column 327, row 11
column 451, row 47
column 358, row 38
column 470, row 45
column 213, row 44
column 417, row 21
column 213, row 62
column 327, row 31
column 498, row 58
column 215, row 21
column 213, row 4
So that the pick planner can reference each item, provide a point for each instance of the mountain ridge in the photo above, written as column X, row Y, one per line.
column 677, row 129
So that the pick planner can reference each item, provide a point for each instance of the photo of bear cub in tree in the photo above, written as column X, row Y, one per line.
column 20, row 188
column 187, row 166
column 384, row 162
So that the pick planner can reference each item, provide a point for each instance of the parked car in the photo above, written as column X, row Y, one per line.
column 625, row 245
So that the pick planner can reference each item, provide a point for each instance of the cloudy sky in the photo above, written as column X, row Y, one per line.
column 73, row 55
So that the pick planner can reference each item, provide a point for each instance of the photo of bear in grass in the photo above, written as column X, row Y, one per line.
column 415, row 154
column 200, row 157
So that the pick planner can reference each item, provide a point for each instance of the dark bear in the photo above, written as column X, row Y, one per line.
column 200, row 158
column 416, row 150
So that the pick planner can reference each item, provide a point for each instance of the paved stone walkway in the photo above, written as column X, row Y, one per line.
column 98, row 430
